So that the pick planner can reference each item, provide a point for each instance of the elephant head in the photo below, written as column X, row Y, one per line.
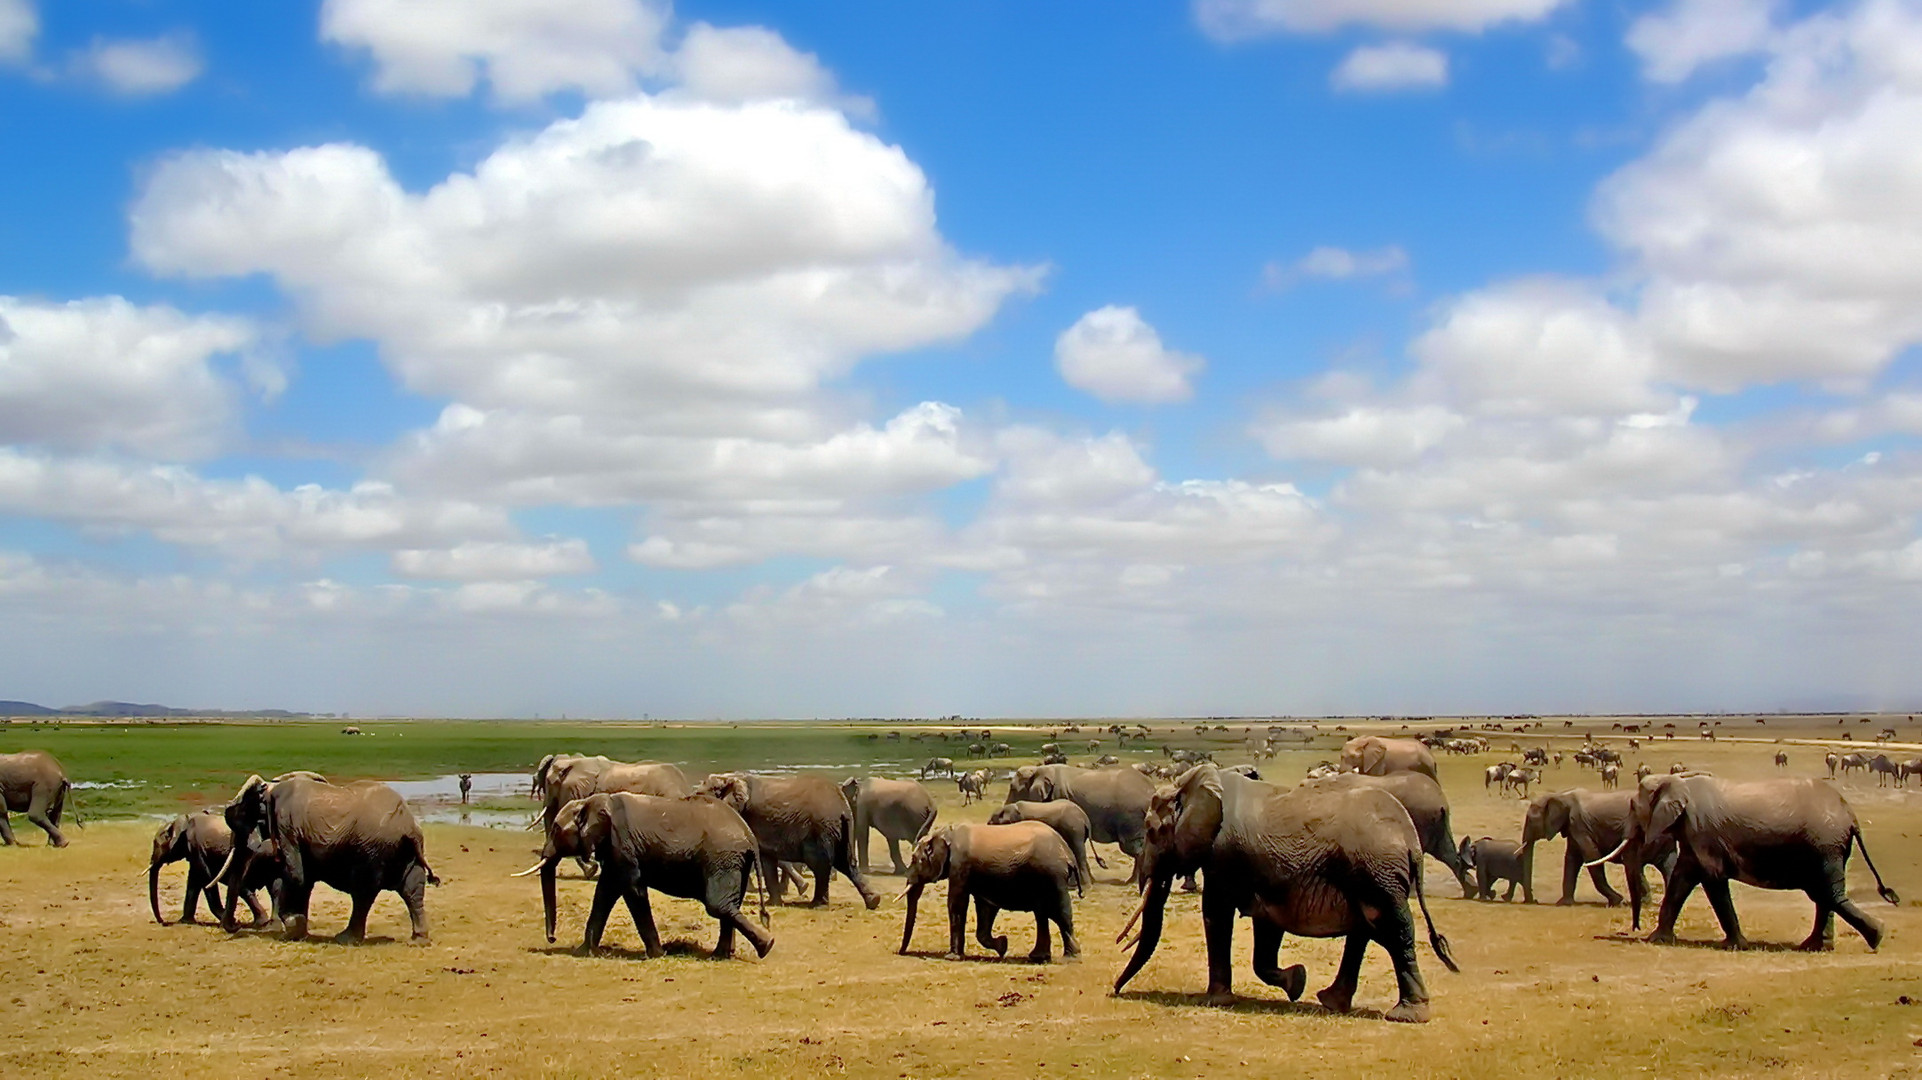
column 928, row 864
column 169, row 846
column 579, row 829
column 1030, row 783
column 1006, row 815
column 540, row 776
column 1183, row 821
column 732, row 789
column 246, row 817
column 1547, row 818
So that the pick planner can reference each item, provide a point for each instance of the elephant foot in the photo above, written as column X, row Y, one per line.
column 1816, row 943
column 347, row 937
column 1039, row 957
column 1336, row 998
column 1408, row 1012
column 999, row 945
column 872, row 900
column 1873, row 935
column 1735, row 944
column 1661, row 937
column 1566, row 901
column 294, row 928
column 822, row 901
column 419, row 939
column 1613, row 901
column 1293, row 981
column 1219, row 998
column 951, row 955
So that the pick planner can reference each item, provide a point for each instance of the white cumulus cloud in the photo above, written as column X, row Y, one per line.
column 19, row 25
column 1397, row 65
column 1233, row 20
column 1112, row 353
column 140, row 67
column 494, row 560
column 1674, row 43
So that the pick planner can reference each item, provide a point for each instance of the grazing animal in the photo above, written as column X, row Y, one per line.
column 1495, row 774
column 1885, row 770
column 1611, row 775
column 1781, row 759
column 937, row 765
column 1518, row 781
column 973, row 785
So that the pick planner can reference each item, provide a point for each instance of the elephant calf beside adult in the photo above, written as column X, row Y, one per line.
column 1115, row 800
column 1023, row 866
column 359, row 838
column 696, row 848
column 1594, row 823
column 1770, row 834
column 203, row 841
column 803, row 819
column 1068, row 821
column 34, row 784
column 899, row 809
column 1427, row 806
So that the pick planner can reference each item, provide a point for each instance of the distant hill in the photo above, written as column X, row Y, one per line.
column 130, row 708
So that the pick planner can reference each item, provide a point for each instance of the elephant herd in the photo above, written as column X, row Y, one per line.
column 1338, row 856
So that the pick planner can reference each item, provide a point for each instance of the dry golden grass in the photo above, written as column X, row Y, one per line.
column 90, row 986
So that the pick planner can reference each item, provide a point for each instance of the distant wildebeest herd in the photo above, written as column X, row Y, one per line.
column 1339, row 855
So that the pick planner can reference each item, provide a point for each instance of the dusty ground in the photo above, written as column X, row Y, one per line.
column 89, row 985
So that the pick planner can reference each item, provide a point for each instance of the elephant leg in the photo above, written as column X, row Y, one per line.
column 1063, row 916
column 356, row 931
column 823, row 873
column 296, row 894
column 859, row 880
column 1599, row 875
column 606, row 892
column 1268, row 969
column 1395, row 929
column 1218, row 930
column 984, row 915
column 413, row 893
column 1839, row 903
column 1571, row 872
column 894, row 855
column 643, row 912
column 6, row 830
column 1509, row 896
column 726, row 892
column 1084, row 877
column 1340, row 994
column 774, row 875
column 1822, row 937
column 1681, row 883
column 1718, row 898
column 1043, row 941
column 38, row 814
column 258, row 915
column 195, row 884
column 957, row 919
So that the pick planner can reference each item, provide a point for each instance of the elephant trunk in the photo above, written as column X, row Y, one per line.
column 153, row 890
column 547, row 895
column 227, row 922
column 1637, row 887
column 1153, row 902
column 914, row 905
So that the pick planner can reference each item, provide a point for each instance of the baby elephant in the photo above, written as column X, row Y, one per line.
column 1025, row 866
column 1064, row 818
column 1496, row 860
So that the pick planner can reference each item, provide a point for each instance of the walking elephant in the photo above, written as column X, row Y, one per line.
column 359, row 838
column 1771, row 834
column 1495, row 860
column 900, row 809
column 695, row 847
column 805, row 819
column 1069, row 821
column 1377, row 756
column 1315, row 861
column 1427, row 806
column 562, row 778
column 1024, row 866
column 203, row 841
column 1115, row 800
column 34, row 784
column 1594, row 822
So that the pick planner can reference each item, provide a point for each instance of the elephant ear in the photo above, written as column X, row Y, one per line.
column 1670, row 808
column 1555, row 813
column 1372, row 755
column 733, row 792
column 596, row 821
column 1199, row 819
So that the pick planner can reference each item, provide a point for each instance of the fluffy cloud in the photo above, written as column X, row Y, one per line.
column 750, row 63
column 140, row 68
column 19, row 25
column 523, row 48
column 1112, row 353
column 1675, row 42
column 1398, row 65
column 482, row 560
column 105, row 374
column 1233, row 20
column 1374, row 435
column 1327, row 263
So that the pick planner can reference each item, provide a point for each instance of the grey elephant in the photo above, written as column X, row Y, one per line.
column 1427, row 806
column 1069, row 821
column 562, row 778
column 1377, row 756
column 804, row 819
column 34, row 784
column 695, row 847
column 1770, row 834
column 1495, row 860
column 1314, row 861
column 899, row 809
column 203, row 841
column 1115, row 800
column 1024, row 866
column 1594, row 822
column 359, row 838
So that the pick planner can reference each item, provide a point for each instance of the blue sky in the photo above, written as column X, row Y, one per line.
column 740, row 359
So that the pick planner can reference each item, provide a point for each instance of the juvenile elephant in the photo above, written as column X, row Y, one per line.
column 900, row 809
column 1025, row 866
column 1115, row 800
column 695, row 848
column 1594, row 822
column 359, row 838
column 1315, row 861
column 1427, row 807
column 805, row 819
column 1496, row 860
column 34, row 784
column 1069, row 821
column 1376, row 756
column 203, row 841
column 1771, row 834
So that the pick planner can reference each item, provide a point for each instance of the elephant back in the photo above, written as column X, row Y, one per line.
column 324, row 817
column 643, row 778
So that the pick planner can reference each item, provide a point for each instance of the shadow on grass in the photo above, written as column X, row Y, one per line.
column 984, row 957
column 1247, row 1005
column 1634, row 938
column 678, row 948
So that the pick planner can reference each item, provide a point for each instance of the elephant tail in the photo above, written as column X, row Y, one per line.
column 420, row 855
column 60, row 803
column 1435, row 940
column 927, row 824
column 760, row 883
column 1881, row 890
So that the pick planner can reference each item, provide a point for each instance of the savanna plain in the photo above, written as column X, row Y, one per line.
column 90, row 985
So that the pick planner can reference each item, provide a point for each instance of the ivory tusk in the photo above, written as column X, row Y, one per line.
column 534, row 869
column 898, row 897
column 1610, row 855
column 1133, row 919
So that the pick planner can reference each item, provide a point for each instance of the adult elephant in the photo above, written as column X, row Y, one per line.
column 900, row 809
column 1771, row 834
column 1069, row 821
column 34, row 784
column 1427, row 807
column 1376, row 756
column 1315, row 861
column 1115, row 800
column 560, row 779
column 1594, row 822
column 1023, row 866
column 695, row 848
column 203, row 841
column 803, row 819
column 359, row 838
